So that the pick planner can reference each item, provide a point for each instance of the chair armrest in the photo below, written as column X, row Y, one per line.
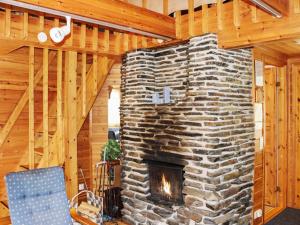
column 5, row 220
column 80, row 219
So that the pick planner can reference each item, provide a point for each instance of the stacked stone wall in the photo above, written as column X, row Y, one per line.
column 208, row 128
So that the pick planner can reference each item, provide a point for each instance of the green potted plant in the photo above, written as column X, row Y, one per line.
column 111, row 152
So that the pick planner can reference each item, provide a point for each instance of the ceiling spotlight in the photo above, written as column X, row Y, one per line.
column 42, row 37
column 58, row 34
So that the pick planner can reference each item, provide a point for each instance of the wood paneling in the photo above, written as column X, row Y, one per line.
column 270, row 152
column 293, row 198
column 99, row 116
column 109, row 11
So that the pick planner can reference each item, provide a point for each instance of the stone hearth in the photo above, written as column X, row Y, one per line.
column 207, row 128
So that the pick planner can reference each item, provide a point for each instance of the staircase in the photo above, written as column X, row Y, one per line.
column 56, row 154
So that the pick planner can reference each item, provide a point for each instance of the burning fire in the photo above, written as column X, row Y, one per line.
column 166, row 186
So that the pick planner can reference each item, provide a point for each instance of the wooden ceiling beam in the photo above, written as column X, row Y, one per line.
column 115, row 12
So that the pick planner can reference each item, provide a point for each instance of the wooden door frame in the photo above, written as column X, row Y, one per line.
column 278, row 60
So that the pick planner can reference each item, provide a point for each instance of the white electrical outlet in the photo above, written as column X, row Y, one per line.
column 257, row 213
column 81, row 187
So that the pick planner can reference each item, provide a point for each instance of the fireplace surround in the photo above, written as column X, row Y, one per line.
column 207, row 129
column 166, row 183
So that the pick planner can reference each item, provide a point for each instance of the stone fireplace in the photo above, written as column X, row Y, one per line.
column 199, row 146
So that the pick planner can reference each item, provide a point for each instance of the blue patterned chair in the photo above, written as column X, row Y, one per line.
column 38, row 197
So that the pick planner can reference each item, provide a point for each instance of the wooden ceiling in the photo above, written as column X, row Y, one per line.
column 288, row 47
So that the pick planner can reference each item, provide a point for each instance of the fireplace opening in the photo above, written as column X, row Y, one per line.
column 166, row 183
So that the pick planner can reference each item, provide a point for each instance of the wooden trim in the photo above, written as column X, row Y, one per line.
column 109, row 11
column 59, row 116
column 166, row 7
column 71, row 123
column 178, row 24
column 191, row 17
column 205, row 18
column 31, row 108
column 45, row 106
column 95, row 75
column 83, row 82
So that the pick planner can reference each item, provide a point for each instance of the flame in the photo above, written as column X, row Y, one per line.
column 166, row 186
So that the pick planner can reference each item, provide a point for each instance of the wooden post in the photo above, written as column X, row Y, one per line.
column 82, row 35
column 31, row 108
column 125, row 42
column 71, row 123
column 178, row 24
column 236, row 13
column 254, row 16
column 95, row 75
column 205, row 18
column 220, row 15
column 117, row 42
column 41, row 23
column 166, row 7
column 144, row 3
column 191, row 17
column 83, row 81
column 95, row 38
column 25, row 25
column 45, row 107
column 59, row 117
column 134, row 42
column 106, row 40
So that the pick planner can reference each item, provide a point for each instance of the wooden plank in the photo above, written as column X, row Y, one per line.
column 236, row 13
column 145, row 4
column 205, row 18
column 178, row 24
column 59, row 116
column 95, row 75
column 21, row 104
column 31, row 80
column 106, row 41
column 25, row 25
column 270, row 154
column 191, row 16
column 82, row 35
column 117, row 42
column 166, row 7
column 126, row 42
column 134, row 42
column 7, row 22
column 95, row 38
column 83, row 82
column 71, row 123
column 220, row 14
column 109, row 11
column 45, row 106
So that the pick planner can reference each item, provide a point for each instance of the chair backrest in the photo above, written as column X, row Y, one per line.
column 38, row 197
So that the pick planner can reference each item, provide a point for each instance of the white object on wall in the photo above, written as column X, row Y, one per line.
column 58, row 34
column 257, row 213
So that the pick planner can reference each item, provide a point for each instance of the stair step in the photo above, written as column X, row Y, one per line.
column 26, row 167
column 39, row 151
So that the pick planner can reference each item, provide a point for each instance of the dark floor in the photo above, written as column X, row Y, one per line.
column 288, row 217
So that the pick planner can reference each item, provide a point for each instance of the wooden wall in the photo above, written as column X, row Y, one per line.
column 293, row 197
column 99, row 116
column 84, row 154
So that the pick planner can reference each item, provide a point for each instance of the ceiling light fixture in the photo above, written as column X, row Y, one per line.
column 58, row 34
column 267, row 8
